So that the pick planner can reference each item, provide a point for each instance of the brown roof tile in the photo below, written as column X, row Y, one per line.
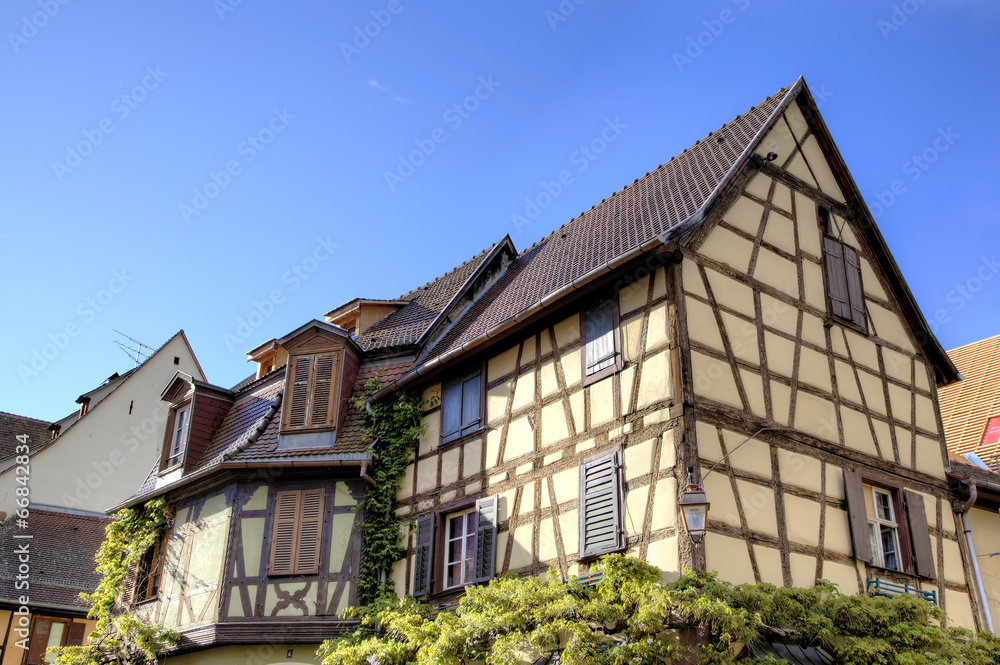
column 62, row 550
column 12, row 426
column 639, row 212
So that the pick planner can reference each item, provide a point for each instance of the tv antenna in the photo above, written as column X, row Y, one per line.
column 139, row 355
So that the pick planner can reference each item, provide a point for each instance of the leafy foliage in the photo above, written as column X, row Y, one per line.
column 631, row 616
column 120, row 638
column 393, row 424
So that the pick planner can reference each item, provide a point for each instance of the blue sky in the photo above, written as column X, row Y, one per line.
column 199, row 157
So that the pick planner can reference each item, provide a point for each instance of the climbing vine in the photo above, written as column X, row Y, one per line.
column 631, row 616
column 393, row 425
column 120, row 638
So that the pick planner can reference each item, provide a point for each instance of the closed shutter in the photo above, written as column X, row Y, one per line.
column 310, row 532
column 470, row 404
column 600, row 514
column 325, row 379
column 286, row 511
column 77, row 633
column 126, row 597
column 423, row 559
column 451, row 412
column 855, row 291
column 920, row 535
column 298, row 403
column 599, row 332
column 39, row 641
column 836, row 278
column 486, row 536
column 857, row 515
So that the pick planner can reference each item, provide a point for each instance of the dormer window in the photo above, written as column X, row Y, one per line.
column 182, row 422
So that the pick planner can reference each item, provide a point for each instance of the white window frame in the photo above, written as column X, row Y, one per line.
column 179, row 437
column 877, row 523
column 467, row 560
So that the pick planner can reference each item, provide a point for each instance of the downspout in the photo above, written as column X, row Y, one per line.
column 973, row 495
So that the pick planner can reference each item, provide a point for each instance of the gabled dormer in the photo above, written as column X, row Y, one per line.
column 322, row 365
column 269, row 356
column 196, row 409
column 360, row 314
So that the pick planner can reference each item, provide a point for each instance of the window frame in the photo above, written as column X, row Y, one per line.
column 473, row 428
column 28, row 656
column 617, row 363
column 467, row 558
column 309, row 407
column 849, row 276
column 878, row 523
column 294, row 567
column 431, row 551
column 617, row 490
column 151, row 567
column 185, row 408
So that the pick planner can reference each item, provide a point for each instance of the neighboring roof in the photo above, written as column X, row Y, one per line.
column 12, row 426
column 405, row 326
column 349, row 438
column 966, row 406
column 962, row 469
column 59, row 572
column 351, row 304
column 793, row 653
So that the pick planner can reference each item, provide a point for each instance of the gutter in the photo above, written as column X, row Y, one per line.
column 973, row 495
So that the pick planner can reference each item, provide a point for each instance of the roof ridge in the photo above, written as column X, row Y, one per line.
column 443, row 275
column 783, row 91
column 16, row 415
column 963, row 346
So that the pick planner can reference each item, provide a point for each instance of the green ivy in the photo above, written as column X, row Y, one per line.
column 120, row 638
column 393, row 425
column 631, row 616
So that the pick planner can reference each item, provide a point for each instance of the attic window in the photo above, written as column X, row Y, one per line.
column 178, row 433
column 312, row 387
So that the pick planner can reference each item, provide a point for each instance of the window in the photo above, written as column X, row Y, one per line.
column 151, row 568
column 461, row 406
column 888, row 524
column 51, row 632
column 179, row 431
column 296, row 536
column 845, row 295
column 312, row 386
column 468, row 539
column 600, row 506
column 600, row 356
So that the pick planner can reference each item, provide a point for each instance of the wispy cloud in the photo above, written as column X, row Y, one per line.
column 378, row 86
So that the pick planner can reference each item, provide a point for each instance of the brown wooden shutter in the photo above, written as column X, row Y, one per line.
column 486, row 531
column 77, row 633
column 600, row 500
column 39, row 641
column 423, row 558
column 286, row 513
column 326, row 376
column 855, row 492
column 855, row 292
column 310, row 532
column 836, row 278
column 451, row 412
column 920, row 534
column 297, row 402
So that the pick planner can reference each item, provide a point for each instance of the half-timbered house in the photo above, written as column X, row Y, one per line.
column 732, row 319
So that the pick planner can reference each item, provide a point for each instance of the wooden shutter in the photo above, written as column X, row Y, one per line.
column 423, row 560
column 855, row 292
column 470, row 404
column 836, row 278
column 128, row 586
column 920, row 535
column 486, row 536
column 600, row 514
column 855, row 492
column 599, row 333
column 297, row 393
column 310, row 532
column 77, row 633
column 286, row 511
column 326, row 377
column 39, row 641
column 451, row 412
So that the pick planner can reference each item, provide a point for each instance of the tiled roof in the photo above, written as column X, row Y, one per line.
column 967, row 405
column 349, row 438
column 405, row 325
column 62, row 550
column 963, row 470
column 639, row 212
column 12, row 426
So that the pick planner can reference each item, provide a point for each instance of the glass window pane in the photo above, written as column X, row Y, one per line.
column 884, row 506
column 889, row 547
column 470, row 402
column 55, row 639
column 451, row 410
column 875, row 544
